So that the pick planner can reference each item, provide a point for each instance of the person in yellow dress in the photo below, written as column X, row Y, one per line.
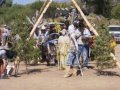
column 63, row 47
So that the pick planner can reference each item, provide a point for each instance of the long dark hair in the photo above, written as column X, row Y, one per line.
column 82, row 25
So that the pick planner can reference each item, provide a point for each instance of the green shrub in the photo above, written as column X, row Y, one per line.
column 102, row 48
column 116, row 12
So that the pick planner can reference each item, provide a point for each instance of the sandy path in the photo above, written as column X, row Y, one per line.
column 52, row 79
column 45, row 78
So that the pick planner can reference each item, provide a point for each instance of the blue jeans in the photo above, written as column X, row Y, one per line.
column 71, row 59
column 82, row 50
column 87, row 48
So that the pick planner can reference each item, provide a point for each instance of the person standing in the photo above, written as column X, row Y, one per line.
column 5, row 34
column 3, row 57
column 63, row 47
column 83, row 37
column 72, row 63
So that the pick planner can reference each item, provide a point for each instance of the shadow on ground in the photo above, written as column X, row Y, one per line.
column 108, row 73
column 33, row 71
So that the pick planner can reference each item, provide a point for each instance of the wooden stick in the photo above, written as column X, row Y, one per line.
column 39, row 19
column 28, row 19
column 83, row 16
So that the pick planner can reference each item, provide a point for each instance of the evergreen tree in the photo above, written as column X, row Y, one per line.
column 102, row 48
column 103, row 7
column 116, row 12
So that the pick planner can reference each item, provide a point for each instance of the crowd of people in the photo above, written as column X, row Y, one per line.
column 68, row 48
column 65, row 48
column 6, row 67
column 72, row 44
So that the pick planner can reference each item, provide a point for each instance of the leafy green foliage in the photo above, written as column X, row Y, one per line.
column 8, row 3
column 25, row 49
column 102, row 48
column 116, row 12
column 15, row 17
column 102, row 7
column 36, row 5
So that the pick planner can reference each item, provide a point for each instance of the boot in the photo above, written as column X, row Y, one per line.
column 68, row 72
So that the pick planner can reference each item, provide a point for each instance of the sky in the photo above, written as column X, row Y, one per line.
column 31, row 1
column 23, row 1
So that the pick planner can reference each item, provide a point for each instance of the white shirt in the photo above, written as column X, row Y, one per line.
column 74, row 43
column 2, row 53
column 78, row 34
column 71, row 29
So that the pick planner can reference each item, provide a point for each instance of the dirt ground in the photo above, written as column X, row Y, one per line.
column 42, row 77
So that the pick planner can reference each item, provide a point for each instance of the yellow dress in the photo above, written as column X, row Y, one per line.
column 63, row 47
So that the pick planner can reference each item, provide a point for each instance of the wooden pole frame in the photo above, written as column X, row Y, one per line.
column 39, row 19
column 47, row 6
column 82, row 14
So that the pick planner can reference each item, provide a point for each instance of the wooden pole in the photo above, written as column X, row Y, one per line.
column 83, row 16
column 39, row 19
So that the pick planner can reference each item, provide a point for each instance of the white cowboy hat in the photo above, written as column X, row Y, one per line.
column 43, row 27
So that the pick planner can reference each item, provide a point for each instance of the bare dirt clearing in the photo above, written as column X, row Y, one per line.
column 42, row 77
